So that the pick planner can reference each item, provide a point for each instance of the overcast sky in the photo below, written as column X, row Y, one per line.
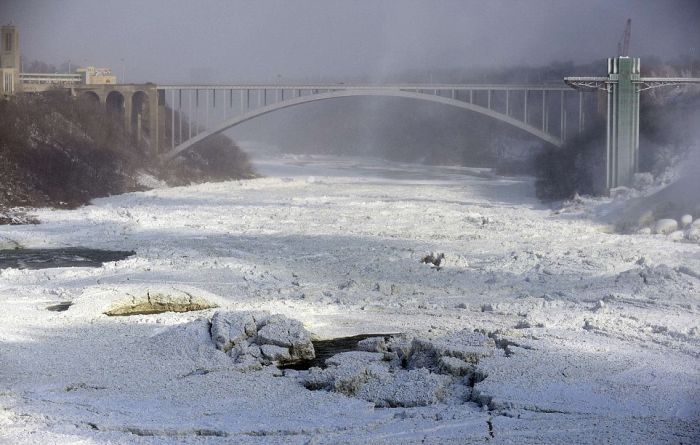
column 268, row 41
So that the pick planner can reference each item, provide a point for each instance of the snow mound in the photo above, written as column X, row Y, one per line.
column 143, row 299
column 672, row 202
column 156, row 302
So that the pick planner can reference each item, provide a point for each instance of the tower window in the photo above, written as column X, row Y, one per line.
column 8, row 42
column 8, row 87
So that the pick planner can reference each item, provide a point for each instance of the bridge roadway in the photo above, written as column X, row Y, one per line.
column 254, row 100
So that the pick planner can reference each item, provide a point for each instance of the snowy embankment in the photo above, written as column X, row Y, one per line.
column 536, row 327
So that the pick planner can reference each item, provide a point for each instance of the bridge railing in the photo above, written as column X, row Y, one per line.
column 46, row 78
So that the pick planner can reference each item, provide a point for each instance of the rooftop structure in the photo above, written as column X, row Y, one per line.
column 97, row 76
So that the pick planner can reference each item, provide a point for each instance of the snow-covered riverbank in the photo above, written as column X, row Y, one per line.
column 597, row 335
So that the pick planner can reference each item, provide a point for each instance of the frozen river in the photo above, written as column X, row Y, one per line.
column 596, row 335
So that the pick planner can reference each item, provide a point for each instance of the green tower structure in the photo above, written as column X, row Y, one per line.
column 623, row 85
column 622, row 141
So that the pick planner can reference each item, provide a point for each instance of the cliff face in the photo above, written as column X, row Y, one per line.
column 58, row 151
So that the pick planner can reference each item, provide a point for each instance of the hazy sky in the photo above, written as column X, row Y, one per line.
column 267, row 41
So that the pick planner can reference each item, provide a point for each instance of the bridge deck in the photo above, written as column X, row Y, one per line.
column 392, row 87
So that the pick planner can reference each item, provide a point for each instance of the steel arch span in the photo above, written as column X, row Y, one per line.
column 363, row 92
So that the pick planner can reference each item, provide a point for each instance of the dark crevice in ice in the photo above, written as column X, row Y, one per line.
column 489, row 422
column 325, row 349
column 60, row 307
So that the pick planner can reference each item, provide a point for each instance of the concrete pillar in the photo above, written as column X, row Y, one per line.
column 160, row 111
column 128, row 109
column 153, row 120
column 623, row 122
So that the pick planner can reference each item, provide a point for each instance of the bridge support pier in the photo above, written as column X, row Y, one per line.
column 153, row 119
column 158, row 116
column 127, row 112
column 622, row 140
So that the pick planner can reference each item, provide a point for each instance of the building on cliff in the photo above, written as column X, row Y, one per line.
column 13, row 80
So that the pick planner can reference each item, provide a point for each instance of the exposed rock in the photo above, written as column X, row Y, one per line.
column 665, row 226
column 258, row 337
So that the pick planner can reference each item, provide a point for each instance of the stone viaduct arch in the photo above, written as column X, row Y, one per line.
column 90, row 97
column 140, row 107
column 114, row 103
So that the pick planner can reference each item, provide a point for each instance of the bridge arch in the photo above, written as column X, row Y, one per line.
column 115, row 103
column 223, row 126
column 90, row 97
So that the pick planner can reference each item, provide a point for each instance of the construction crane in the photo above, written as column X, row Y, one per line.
column 623, row 45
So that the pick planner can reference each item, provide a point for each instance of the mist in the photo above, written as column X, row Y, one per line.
column 172, row 41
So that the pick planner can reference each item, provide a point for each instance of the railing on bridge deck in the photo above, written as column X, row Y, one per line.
column 46, row 78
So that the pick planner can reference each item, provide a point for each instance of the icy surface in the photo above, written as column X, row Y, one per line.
column 537, row 326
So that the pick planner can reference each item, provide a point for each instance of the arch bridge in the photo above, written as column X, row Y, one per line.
column 195, row 112
column 171, row 119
